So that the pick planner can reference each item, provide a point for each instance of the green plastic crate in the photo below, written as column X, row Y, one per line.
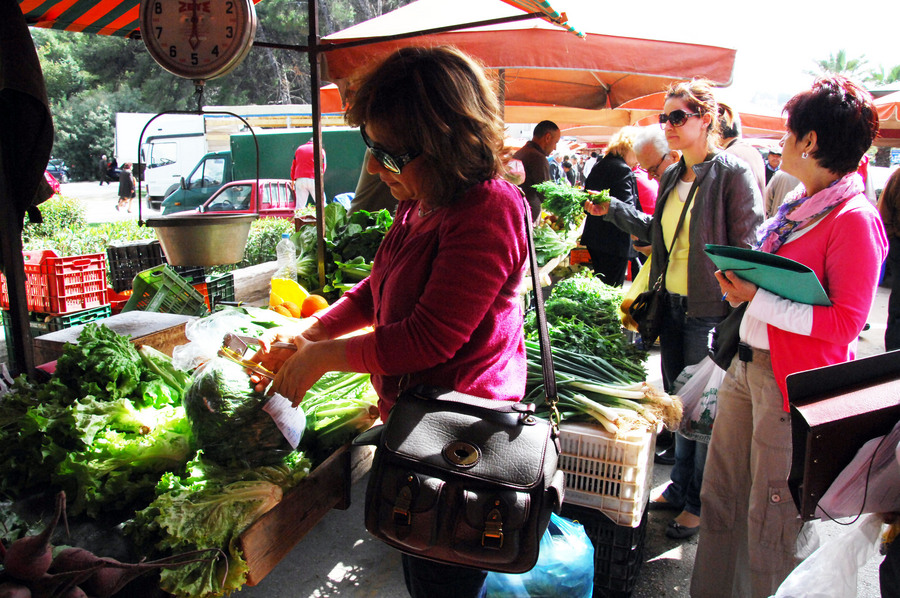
column 216, row 289
column 162, row 290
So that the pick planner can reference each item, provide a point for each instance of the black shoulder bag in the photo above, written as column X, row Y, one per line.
column 649, row 308
column 464, row 480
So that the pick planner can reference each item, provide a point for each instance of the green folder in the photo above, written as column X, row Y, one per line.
column 780, row 275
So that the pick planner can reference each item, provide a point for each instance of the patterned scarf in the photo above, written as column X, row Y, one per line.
column 798, row 209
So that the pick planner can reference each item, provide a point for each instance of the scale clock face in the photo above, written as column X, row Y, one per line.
column 198, row 39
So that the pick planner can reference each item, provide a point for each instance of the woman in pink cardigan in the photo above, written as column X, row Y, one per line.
column 750, row 523
column 444, row 296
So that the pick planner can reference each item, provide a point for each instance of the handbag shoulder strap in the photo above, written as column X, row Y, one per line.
column 543, row 334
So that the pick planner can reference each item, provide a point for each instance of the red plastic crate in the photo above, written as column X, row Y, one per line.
column 60, row 285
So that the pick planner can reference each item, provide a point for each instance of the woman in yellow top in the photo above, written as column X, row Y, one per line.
column 722, row 205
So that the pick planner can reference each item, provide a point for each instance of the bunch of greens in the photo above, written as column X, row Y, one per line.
column 582, row 316
column 103, row 428
column 227, row 418
column 564, row 203
column 350, row 245
column 594, row 389
column 209, row 507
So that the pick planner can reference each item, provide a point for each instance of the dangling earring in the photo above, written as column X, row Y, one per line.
column 804, row 155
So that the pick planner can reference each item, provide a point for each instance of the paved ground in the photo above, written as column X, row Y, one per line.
column 339, row 559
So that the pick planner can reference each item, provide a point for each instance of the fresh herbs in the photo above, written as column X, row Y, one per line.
column 566, row 203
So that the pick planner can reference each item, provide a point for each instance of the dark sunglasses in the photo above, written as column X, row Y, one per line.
column 676, row 117
column 393, row 163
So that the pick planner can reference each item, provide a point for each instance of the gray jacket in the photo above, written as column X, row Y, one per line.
column 727, row 210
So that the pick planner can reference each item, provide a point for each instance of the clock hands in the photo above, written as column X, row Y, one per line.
column 195, row 38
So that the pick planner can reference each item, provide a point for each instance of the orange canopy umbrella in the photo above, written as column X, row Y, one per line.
column 888, row 112
column 540, row 62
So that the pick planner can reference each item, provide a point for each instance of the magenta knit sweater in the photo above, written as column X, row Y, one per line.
column 845, row 250
column 445, row 302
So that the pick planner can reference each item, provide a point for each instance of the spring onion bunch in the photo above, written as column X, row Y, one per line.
column 590, row 388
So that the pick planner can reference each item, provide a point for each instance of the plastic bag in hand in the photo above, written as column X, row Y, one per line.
column 831, row 571
column 565, row 566
column 699, row 396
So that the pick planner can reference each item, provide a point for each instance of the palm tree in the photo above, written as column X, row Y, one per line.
column 880, row 76
column 839, row 64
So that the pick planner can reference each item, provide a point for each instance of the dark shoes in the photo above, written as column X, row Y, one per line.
column 676, row 531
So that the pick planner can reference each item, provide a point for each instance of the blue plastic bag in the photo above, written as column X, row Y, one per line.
column 565, row 567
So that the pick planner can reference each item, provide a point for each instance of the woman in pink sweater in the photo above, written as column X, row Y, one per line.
column 444, row 296
column 750, row 522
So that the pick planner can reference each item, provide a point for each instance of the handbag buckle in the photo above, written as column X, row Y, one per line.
column 400, row 514
column 492, row 537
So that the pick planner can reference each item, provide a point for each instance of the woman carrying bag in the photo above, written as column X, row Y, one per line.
column 444, row 292
column 707, row 197
column 750, row 523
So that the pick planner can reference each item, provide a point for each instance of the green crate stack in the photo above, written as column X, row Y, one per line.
column 161, row 289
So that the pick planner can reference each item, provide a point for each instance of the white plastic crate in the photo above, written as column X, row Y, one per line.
column 612, row 475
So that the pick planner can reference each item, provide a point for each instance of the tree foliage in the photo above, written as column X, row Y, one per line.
column 855, row 68
column 90, row 78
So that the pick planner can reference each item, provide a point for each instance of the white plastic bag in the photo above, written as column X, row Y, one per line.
column 205, row 338
column 699, row 389
column 831, row 571
column 874, row 473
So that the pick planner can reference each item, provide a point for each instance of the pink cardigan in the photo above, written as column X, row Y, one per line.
column 445, row 302
column 845, row 250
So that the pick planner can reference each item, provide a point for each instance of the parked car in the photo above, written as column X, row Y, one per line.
column 270, row 198
column 57, row 167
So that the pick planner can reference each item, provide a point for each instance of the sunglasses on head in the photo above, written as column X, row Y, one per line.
column 391, row 162
column 676, row 117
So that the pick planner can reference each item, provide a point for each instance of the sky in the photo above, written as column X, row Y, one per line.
column 776, row 41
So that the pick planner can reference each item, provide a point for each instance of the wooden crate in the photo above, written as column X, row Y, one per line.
column 274, row 535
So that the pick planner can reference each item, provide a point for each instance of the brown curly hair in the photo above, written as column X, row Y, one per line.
column 437, row 101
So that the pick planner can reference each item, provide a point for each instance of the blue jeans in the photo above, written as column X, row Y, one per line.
column 428, row 579
column 684, row 341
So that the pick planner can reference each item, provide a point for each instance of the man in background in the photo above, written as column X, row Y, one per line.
column 102, row 166
column 773, row 163
column 533, row 156
column 303, row 172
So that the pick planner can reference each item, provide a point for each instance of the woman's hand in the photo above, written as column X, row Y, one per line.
column 735, row 289
column 298, row 372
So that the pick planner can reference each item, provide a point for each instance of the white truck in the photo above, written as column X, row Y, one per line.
column 171, row 145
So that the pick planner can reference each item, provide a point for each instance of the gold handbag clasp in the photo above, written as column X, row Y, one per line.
column 492, row 537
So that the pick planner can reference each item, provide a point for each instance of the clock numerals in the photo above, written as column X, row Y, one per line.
column 198, row 39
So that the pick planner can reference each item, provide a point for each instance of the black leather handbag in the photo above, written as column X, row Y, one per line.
column 464, row 480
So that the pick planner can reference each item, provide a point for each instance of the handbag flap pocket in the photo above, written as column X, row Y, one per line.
column 468, row 440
